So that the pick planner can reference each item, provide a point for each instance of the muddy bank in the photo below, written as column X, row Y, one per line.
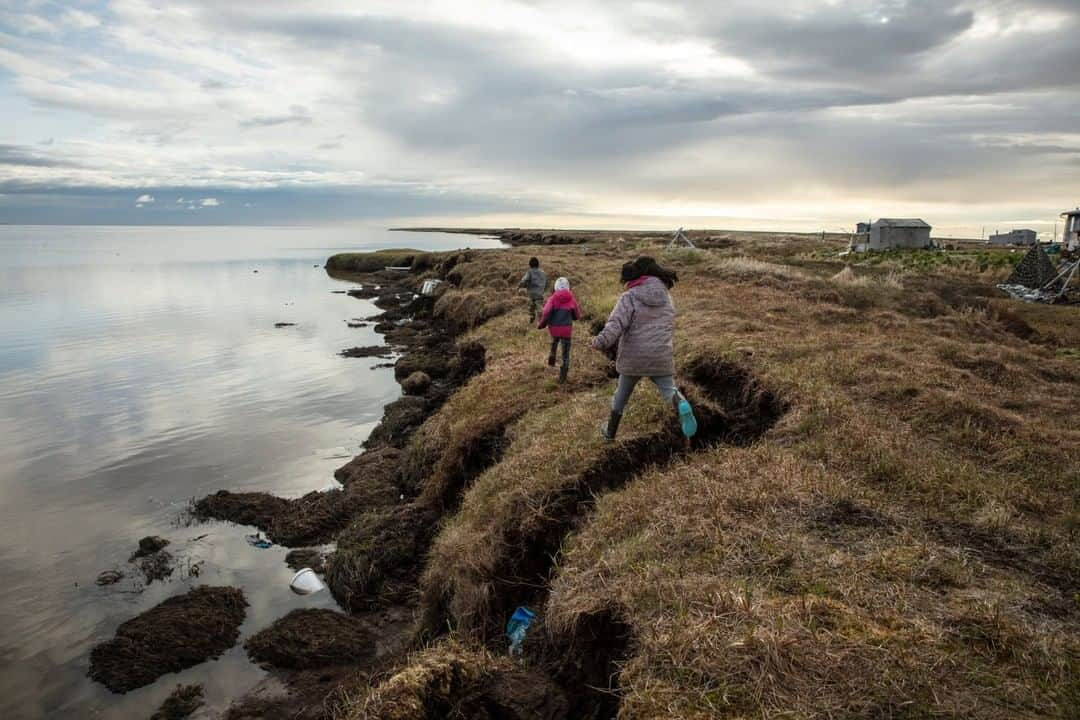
column 381, row 533
column 179, row 633
column 454, row 681
column 313, row 638
column 313, row 519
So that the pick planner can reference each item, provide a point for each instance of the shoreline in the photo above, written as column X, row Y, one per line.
column 461, row 508
column 429, row 367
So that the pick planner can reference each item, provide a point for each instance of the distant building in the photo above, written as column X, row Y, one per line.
column 1013, row 237
column 862, row 228
column 889, row 233
column 1070, row 238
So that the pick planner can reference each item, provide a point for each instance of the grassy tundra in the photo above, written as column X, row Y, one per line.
column 879, row 518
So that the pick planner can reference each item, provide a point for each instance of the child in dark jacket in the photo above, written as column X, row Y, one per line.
column 560, row 312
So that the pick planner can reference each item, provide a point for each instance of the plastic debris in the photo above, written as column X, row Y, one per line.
column 306, row 582
column 257, row 540
column 429, row 286
column 517, row 627
column 686, row 418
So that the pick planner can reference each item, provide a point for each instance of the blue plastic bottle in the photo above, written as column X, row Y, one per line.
column 517, row 627
column 686, row 418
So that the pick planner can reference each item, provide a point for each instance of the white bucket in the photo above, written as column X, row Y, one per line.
column 306, row 582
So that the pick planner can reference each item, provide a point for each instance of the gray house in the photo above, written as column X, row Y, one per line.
column 889, row 233
column 1070, row 237
column 1013, row 237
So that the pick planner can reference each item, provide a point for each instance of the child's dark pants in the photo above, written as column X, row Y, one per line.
column 565, row 355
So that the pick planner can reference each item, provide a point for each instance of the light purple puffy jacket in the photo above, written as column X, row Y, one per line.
column 642, row 323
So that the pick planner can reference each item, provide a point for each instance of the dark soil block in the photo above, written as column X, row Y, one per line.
column 379, row 556
column 379, row 351
column 416, row 384
column 179, row 633
column 309, row 520
column 400, row 418
column 379, row 466
column 253, row 508
column 306, row 558
column 148, row 546
column 312, row 638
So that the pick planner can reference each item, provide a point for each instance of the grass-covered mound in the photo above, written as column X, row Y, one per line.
column 368, row 262
column 880, row 518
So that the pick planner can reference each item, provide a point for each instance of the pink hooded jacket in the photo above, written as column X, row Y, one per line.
column 560, row 312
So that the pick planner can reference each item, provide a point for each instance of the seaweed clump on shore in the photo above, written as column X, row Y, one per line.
column 309, row 520
column 178, row 633
column 312, row 638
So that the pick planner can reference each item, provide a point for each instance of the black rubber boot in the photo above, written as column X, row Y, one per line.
column 562, row 373
column 551, row 360
column 611, row 427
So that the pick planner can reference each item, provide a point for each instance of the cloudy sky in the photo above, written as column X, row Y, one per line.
column 801, row 114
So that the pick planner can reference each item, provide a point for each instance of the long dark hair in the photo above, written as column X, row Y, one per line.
column 645, row 265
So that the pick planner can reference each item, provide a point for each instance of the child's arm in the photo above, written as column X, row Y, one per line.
column 617, row 323
column 576, row 311
column 546, row 313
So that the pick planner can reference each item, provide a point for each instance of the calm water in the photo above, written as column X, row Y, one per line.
column 139, row 368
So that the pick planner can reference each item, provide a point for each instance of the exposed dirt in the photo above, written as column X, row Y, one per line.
column 434, row 362
column 453, row 681
column 379, row 556
column 182, row 701
column 309, row 520
column 157, row 566
column 379, row 351
column 471, row 458
column 379, row 465
column 148, row 546
column 179, row 633
column 313, row 638
column 258, row 509
column 587, row 660
column 731, row 406
column 400, row 419
column 747, row 409
column 306, row 558
column 417, row 383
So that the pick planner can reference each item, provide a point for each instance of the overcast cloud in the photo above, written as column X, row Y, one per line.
column 747, row 113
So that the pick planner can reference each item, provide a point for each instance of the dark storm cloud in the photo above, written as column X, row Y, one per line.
column 693, row 99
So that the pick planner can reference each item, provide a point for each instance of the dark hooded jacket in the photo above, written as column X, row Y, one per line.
column 559, row 314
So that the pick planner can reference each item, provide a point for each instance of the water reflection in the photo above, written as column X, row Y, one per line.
column 140, row 368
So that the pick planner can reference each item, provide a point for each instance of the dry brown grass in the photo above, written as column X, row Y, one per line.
column 904, row 543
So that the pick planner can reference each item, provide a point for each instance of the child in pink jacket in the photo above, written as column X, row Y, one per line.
column 560, row 312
